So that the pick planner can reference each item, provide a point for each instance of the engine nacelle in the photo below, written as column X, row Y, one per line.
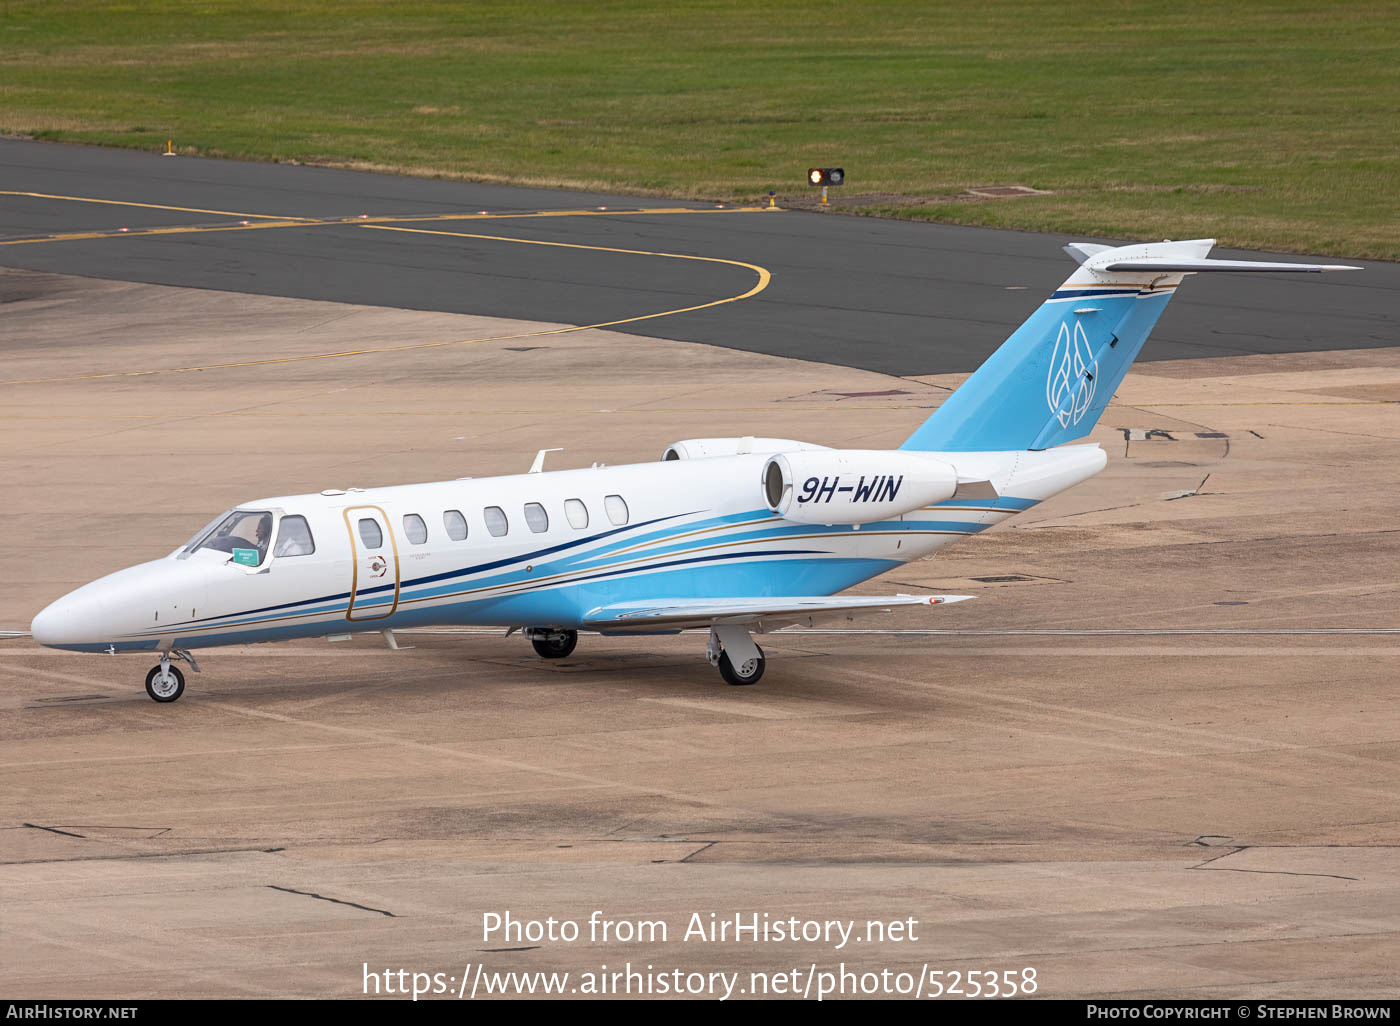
column 699, row 448
column 854, row 486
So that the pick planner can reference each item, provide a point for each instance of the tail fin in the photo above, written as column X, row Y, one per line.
column 1051, row 380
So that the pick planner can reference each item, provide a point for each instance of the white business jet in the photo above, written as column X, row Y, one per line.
column 737, row 535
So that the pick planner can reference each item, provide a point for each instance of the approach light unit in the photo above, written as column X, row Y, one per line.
column 821, row 177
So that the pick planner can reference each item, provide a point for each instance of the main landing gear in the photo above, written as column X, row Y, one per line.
column 165, row 683
column 551, row 642
column 732, row 649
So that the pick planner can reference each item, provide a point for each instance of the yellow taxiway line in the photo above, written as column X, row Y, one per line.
column 764, row 277
column 275, row 221
column 387, row 223
column 148, row 206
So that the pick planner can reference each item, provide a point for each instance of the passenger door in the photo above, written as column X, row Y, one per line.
column 374, row 582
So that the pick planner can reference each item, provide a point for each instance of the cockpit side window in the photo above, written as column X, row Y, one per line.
column 243, row 534
column 294, row 538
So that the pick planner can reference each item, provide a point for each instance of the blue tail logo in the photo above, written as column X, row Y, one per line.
column 1069, row 388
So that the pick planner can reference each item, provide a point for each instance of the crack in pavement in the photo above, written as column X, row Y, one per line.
column 335, row 901
column 1206, row 865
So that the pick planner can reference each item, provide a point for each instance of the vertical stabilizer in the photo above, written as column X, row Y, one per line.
column 1051, row 380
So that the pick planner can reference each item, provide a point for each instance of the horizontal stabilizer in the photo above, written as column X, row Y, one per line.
column 762, row 614
column 1206, row 264
column 1085, row 251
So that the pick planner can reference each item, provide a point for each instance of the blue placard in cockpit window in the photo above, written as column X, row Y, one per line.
column 245, row 557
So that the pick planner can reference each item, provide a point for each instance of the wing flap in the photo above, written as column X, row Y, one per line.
column 762, row 614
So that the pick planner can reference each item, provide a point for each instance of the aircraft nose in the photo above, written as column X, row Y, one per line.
column 73, row 620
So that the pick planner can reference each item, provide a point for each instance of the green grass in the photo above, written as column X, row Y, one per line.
column 1271, row 125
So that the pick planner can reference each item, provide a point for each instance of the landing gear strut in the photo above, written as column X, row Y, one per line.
column 551, row 643
column 732, row 649
column 165, row 683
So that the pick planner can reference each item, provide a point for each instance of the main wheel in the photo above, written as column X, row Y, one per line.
column 748, row 672
column 557, row 645
column 165, row 688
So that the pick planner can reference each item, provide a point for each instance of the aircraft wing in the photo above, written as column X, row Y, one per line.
column 759, row 614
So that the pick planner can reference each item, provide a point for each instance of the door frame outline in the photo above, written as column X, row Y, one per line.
column 355, row 564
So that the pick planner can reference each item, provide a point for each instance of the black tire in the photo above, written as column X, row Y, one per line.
column 731, row 675
column 165, row 696
column 556, row 647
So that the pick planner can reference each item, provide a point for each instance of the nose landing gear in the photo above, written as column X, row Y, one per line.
column 165, row 683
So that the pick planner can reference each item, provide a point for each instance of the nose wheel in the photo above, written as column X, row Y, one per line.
column 165, row 683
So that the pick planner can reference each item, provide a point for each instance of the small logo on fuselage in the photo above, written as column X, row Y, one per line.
column 1069, row 387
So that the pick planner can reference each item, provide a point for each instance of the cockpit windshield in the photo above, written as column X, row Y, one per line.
column 243, row 534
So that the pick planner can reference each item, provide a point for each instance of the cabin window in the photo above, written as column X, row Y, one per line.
column 577, row 513
column 496, row 521
column 616, row 506
column 243, row 534
column 414, row 529
column 455, row 524
column 370, row 533
column 294, row 538
column 536, row 517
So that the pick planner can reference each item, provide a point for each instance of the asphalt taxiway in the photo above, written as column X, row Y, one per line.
column 880, row 295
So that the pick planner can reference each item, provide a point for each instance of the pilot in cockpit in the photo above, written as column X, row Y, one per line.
column 261, row 534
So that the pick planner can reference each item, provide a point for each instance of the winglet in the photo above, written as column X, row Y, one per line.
column 538, row 465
